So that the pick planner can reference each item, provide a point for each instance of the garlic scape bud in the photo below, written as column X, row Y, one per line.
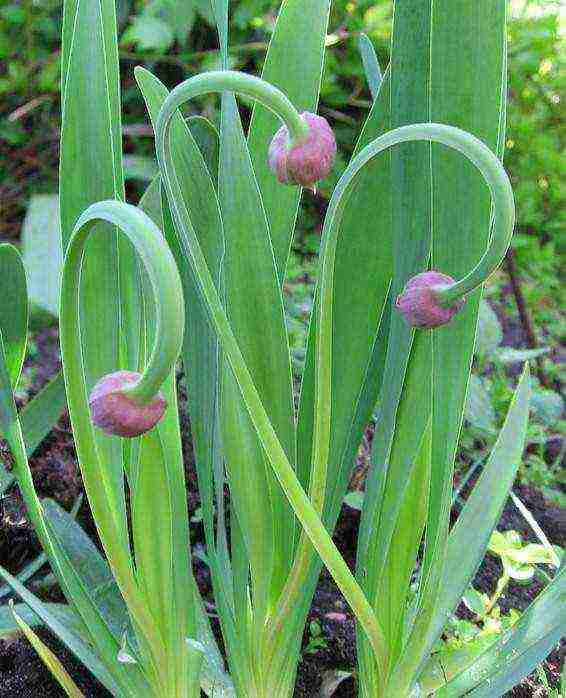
column 306, row 160
column 419, row 302
column 114, row 410
column 123, row 403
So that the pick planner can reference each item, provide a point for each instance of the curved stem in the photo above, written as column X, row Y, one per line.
column 241, row 83
column 158, row 261
column 164, row 277
column 275, row 453
column 504, row 215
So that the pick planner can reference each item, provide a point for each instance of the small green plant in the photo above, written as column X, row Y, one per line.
column 196, row 272
column 317, row 641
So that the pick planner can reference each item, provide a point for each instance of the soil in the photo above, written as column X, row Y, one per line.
column 23, row 674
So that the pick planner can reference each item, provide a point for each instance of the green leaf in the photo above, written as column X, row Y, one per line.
column 89, row 564
column 489, row 334
column 468, row 50
column 358, row 366
column 478, row 410
column 41, row 249
column 13, row 310
column 436, row 46
column 35, row 565
column 139, row 167
column 410, row 68
column 547, row 406
column 196, row 191
column 208, row 140
column 266, row 521
column 40, row 414
column 109, row 308
column 159, row 266
column 293, row 63
column 64, row 623
column 201, row 209
column 220, row 10
column 374, row 76
column 148, row 34
column 9, row 628
column 469, row 539
column 49, row 658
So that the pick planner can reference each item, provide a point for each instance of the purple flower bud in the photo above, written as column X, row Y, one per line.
column 307, row 160
column 419, row 304
column 114, row 410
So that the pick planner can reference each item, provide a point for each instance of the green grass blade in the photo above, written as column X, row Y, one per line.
column 427, row 220
column 220, row 9
column 9, row 628
column 374, row 76
column 199, row 354
column 35, row 565
column 104, row 491
column 388, row 497
column 40, row 414
column 49, row 658
column 162, row 578
column 361, row 335
column 95, row 574
column 294, row 64
column 13, row 310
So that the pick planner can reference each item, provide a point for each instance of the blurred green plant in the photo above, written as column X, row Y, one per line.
column 488, row 393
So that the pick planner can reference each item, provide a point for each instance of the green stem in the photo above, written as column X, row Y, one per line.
column 160, row 266
column 241, row 83
column 272, row 447
column 503, row 206
column 162, row 271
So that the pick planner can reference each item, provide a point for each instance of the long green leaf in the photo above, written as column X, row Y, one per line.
column 35, row 565
column 294, row 64
column 468, row 47
column 40, row 414
column 196, row 191
column 372, row 70
column 429, row 196
column 469, row 539
column 91, row 142
column 63, row 622
column 392, row 457
column 50, row 660
column 360, row 334
column 199, row 204
column 8, row 627
column 266, row 520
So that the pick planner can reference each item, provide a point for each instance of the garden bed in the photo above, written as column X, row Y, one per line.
column 329, row 640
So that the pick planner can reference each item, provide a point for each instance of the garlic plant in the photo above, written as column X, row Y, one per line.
column 196, row 271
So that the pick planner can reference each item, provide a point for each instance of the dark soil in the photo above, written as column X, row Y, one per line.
column 22, row 673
